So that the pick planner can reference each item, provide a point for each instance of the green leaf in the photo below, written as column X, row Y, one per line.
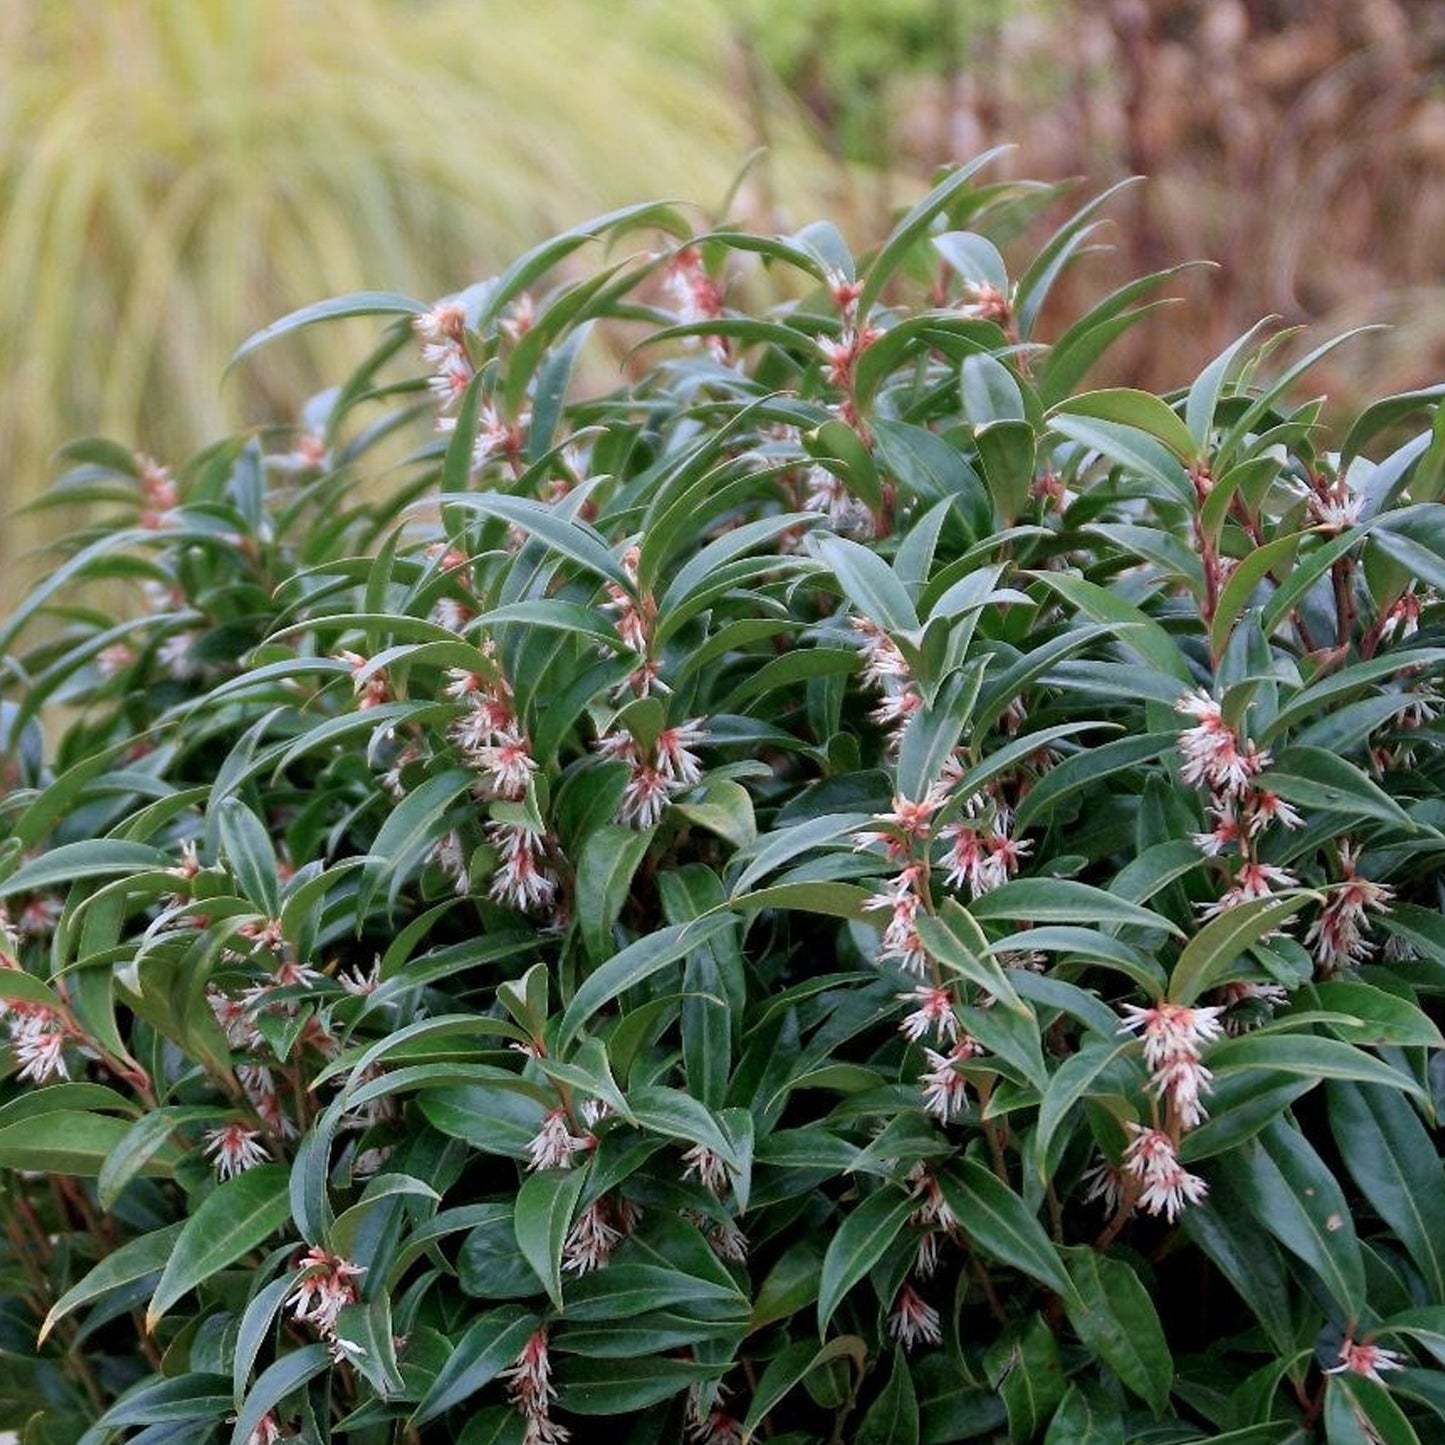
column 248, row 849
column 1083, row 1419
column 782, row 846
column 93, row 858
column 1135, row 451
column 571, row 539
column 408, row 833
column 1141, row 410
column 892, row 1419
column 1133, row 628
column 1007, row 452
column 700, row 569
column 991, row 392
column 367, row 1327
column 1023, row 1366
column 280, row 1379
column 491, row 1343
column 1113, row 1315
column 358, row 303
column 1223, row 1227
column 867, row 581
column 236, row 1217
column 680, row 1116
column 1044, row 270
column 1070, row 1084
column 911, row 230
column 790, row 1365
column 67, row 1141
column 133, row 1261
column 1314, row 1058
column 722, row 807
column 791, row 1285
column 933, row 731
column 834, row 900
column 457, row 461
column 545, row 1205
column 858, row 1244
column 926, row 465
column 635, row 963
column 953, row 937
column 609, row 858
column 1251, row 570
column 254, row 1330
column 147, row 1137
column 1395, row 1165
column 1292, row 1195
column 1360, row 1412
column 619, row 1387
column 1208, row 955
column 1062, row 900
column 1086, row 768
column 1000, row 1225
column 1385, row 413
column 1319, row 779
column 1375, row 1017
column 1203, row 398
column 974, row 257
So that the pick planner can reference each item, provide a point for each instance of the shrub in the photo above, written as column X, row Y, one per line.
column 848, row 889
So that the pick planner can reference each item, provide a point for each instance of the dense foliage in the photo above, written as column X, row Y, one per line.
column 849, row 889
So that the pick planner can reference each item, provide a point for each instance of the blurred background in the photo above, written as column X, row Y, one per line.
column 176, row 173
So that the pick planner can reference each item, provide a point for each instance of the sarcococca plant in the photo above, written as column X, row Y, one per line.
column 849, row 889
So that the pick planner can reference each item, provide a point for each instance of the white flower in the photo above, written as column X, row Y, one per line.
column 901, row 943
column 697, row 296
column 1212, row 752
column 590, row 1240
column 727, row 1241
column 675, row 760
column 324, row 1289
column 934, row 1011
column 708, row 1166
column 986, row 303
column 371, row 688
column 444, row 324
column 507, row 764
column 530, row 1389
column 520, row 882
column 645, row 798
column 1337, row 936
column 234, row 1149
column 1367, row 1360
column 359, row 982
column 449, row 855
column 1252, row 881
column 1105, row 1183
column 1165, row 1186
column 829, row 495
column 934, row 1210
column 554, row 1143
column 260, row 1088
column 913, row 1321
column 266, row 1432
column 1261, row 808
column 37, row 1039
column 1170, row 1029
column 944, row 1087
column 176, row 656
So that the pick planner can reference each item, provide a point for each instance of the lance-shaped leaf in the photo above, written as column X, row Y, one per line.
column 543, row 1215
column 229, row 1223
column 859, row 1243
column 1000, row 1225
